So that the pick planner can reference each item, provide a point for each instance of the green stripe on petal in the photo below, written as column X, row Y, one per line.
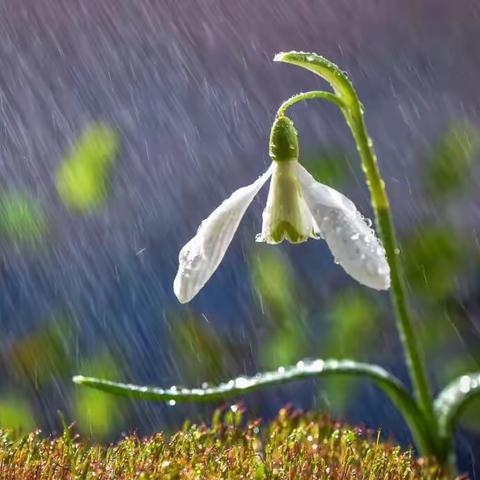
column 286, row 215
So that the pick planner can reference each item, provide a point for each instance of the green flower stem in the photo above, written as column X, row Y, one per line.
column 352, row 111
column 386, row 229
column 331, row 97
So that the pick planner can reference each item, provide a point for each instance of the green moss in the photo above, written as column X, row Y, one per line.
column 292, row 446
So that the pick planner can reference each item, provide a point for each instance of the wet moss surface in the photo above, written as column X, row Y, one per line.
column 293, row 446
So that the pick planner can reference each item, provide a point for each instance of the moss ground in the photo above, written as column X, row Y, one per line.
column 293, row 446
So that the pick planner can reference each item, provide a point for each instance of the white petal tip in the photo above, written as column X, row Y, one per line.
column 369, row 268
column 182, row 289
column 381, row 282
column 182, row 299
column 278, row 57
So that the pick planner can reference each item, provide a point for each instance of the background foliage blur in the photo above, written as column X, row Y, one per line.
column 440, row 265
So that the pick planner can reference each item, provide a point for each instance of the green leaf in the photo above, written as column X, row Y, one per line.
column 191, row 337
column 434, row 256
column 459, row 364
column 355, row 318
column 453, row 399
column 450, row 160
column 326, row 164
column 282, row 346
column 82, row 177
column 244, row 384
column 275, row 283
column 273, row 278
column 303, row 369
column 21, row 218
column 96, row 413
column 16, row 413
column 354, row 324
column 44, row 353
column 323, row 67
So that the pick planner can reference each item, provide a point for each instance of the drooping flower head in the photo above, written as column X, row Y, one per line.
column 298, row 208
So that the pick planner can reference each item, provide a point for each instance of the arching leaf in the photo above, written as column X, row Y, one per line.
column 303, row 369
column 323, row 67
column 453, row 399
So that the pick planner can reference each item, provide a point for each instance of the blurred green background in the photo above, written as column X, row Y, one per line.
column 440, row 262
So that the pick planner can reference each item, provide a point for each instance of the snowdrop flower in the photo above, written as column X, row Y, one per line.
column 298, row 208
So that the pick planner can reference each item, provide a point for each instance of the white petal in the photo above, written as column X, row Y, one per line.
column 286, row 215
column 200, row 257
column 351, row 240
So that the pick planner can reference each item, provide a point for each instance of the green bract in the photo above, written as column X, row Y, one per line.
column 283, row 145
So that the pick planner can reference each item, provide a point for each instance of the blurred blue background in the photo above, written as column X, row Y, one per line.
column 124, row 124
